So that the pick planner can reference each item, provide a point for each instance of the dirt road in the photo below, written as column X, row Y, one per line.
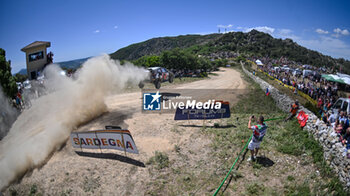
column 110, row 173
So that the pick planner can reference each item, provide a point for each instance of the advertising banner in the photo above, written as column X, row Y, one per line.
column 104, row 139
column 215, row 111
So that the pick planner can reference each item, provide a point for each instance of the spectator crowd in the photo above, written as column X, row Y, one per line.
column 324, row 92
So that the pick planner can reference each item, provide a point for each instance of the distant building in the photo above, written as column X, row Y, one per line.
column 37, row 58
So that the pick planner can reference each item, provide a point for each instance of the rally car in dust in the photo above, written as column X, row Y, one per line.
column 157, row 75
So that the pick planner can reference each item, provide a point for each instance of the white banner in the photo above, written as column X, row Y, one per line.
column 104, row 139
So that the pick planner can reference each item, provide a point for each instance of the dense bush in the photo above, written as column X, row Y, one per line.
column 7, row 81
column 20, row 77
column 160, row 159
column 148, row 61
column 178, row 59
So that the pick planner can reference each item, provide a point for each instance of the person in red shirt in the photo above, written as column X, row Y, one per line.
column 319, row 103
column 19, row 99
column 19, row 95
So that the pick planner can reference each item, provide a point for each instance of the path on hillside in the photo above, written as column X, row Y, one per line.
column 67, row 171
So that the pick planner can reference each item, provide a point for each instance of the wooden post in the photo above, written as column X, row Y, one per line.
column 204, row 125
column 123, row 144
column 81, row 149
column 99, row 146
column 188, row 118
column 222, row 116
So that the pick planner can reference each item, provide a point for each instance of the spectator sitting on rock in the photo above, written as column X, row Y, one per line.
column 339, row 128
column 325, row 118
column 343, row 118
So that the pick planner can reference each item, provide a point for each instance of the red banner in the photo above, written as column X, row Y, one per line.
column 302, row 118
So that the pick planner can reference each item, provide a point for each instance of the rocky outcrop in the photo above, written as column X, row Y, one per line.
column 334, row 151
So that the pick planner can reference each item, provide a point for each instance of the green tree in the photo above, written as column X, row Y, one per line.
column 148, row 61
column 181, row 59
column 7, row 81
column 153, row 61
column 20, row 77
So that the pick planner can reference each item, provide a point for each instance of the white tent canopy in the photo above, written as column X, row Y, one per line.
column 258, row 62
column 340, row 78
column 344, row 77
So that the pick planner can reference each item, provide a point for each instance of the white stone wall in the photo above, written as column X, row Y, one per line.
column 333, row 149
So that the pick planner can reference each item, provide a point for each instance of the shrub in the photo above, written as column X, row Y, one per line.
column 160, row 159
column 33, row 189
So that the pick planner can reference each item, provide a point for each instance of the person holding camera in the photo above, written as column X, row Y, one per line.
column 259, row 132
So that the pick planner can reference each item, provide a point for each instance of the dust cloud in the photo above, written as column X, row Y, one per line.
column 8, row 114
column 47, row 124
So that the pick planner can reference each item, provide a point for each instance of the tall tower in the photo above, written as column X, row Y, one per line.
column 36, row 57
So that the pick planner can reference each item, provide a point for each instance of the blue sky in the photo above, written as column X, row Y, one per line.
column 78, row 29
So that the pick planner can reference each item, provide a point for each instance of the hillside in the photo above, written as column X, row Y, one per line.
column 253, row 43
column 72, row 64
column 23, row 71
column 157, row 45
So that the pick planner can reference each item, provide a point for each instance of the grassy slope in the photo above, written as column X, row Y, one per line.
column 298, row 166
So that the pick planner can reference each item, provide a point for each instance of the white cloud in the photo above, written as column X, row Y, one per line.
column 97, row 31
column 321, row 31
column 205, row 33
column 115, row 27
column 225, row 26
column 328, row 45
column 325, row 44
column 345, row 32
column 285, row 31
column 264, row 29
column 338, row 32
